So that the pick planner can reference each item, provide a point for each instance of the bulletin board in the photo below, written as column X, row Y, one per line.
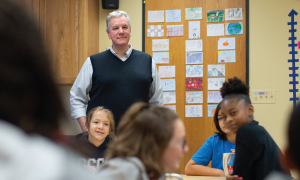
column 204, row 54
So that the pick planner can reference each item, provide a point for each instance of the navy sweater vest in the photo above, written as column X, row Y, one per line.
column 116, row 85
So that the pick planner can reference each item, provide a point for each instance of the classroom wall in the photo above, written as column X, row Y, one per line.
column 269, row 69
column 268, row 65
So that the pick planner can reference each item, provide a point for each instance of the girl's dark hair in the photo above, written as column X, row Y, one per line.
column 235, row 88
column 220, row 133
column 293, row 136
column 144, row 132
column 28, row 95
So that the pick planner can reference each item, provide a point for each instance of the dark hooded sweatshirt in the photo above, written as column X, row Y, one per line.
column 94, row 155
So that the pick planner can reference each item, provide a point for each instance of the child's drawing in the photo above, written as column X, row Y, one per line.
column 168, row 84
column 234, row 28
column 173, row 15
column 172, row 107
column 226, row 43
column 156, row 16
column 193, row 13
column 233, row 14
column 161, row 57
column 215, row 16
column 226, row 56
column 160, row 44
column 216, row 70
column 211, row 110
column 215, row 83
column 193, row 110
column 174, row 30
column 169, row 97
column 155, row 31
column 193, row 84
column 214, row 97
column 194, row 97
column 193, row 45
column 215, row 30
column 194, row 70
column 194, row 58
column 166, row 71
column 194, row 29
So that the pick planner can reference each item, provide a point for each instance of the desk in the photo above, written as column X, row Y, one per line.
column 185, row 177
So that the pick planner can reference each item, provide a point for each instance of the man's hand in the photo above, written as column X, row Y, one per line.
column 82, row 124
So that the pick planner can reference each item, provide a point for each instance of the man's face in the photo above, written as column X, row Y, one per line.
column 119, row 31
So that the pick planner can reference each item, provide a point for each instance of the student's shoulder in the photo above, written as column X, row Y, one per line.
column 252, row 131
column 214, row 139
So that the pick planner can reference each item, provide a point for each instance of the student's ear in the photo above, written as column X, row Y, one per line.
column 287, row 159
column 86, row 128
column 250, row 110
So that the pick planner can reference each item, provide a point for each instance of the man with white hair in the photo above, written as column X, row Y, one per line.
column 117, row 77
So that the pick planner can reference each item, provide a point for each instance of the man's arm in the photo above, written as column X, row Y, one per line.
column 156, row 91
column 79, row 91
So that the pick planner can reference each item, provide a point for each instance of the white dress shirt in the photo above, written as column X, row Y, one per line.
column 83, row 85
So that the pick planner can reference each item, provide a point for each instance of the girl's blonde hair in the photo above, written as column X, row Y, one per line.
column 109, row 115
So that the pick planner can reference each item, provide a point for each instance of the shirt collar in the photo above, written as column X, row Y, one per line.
column 127, row 54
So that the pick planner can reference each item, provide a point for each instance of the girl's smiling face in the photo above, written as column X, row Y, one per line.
column 235, row 113
column 222, row 124
column 99, row 128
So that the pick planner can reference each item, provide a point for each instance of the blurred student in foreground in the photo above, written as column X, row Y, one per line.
column 30, row 107
column 292, row 155
column 151, row 141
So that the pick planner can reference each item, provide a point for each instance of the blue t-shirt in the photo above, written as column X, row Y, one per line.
column 212, row 150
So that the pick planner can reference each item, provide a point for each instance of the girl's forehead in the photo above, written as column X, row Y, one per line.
column 230, row 103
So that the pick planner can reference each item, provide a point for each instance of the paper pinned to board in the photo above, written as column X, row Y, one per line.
column 233, row 14
column 226, row 43
column 194, row 97
column 194, row 70
column 226, row 56
column 161, row 57
column 194, row 58
column 173, row 15
column 216, row 70
column 214, row 97
column 215, row 30
column 194, row 29
column 166, row 71
column 169, row 97
column 215, row 83
column 211, row 110
column 193, row 111
column 156, row 16
column 193, row 13
column 155, row 31
column 193, row 45
column 160, row 44
column 168, row 84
